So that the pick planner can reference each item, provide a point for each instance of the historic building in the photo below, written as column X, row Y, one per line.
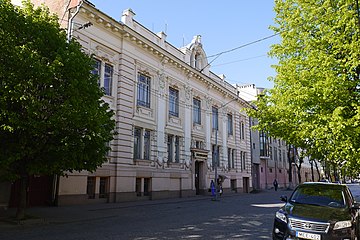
column 179, row 125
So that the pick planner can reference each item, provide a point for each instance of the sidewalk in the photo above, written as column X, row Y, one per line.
column 88, row 212
column 78, row 213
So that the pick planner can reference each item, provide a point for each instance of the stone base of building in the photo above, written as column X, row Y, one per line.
column 64, row 200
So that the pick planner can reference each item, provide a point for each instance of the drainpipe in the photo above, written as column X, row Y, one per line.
column 70, row 21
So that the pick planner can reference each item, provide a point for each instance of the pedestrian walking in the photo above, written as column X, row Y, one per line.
column 220, row 189
column 213, row 189
column 275, row 183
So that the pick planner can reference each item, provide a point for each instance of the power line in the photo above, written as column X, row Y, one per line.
column 244, row 45
column 240, row 60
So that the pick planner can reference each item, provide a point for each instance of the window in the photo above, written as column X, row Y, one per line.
column 244, row 160
column 196, row 111
column 284, row 156
column 103, row 187
column 97, row 70
column 143, row 92
column 199, row 144
column 90, row 190
column 231, row 158
column 105, row 80
column 142, row 143
column 177, row 149
column 173, row 102
column 263, row 144
column 173, row 148
column 275, row 153
column 108, row 78
column 230, row 124
column 147, row 144
column 215, row 155
column 242, row 130
column 137, row 143
column 170, row 148
column 280, row 156
column 215, row 118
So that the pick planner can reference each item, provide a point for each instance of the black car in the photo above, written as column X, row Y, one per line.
column 318, row 211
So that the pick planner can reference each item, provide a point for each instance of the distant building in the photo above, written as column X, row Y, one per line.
column 270, row 156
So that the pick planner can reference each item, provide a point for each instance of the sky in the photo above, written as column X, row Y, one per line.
column 223, row 25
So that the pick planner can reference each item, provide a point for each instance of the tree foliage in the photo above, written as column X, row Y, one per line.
column 315, row 100
column 52, row 118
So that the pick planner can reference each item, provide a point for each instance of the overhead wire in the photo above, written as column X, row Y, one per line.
column 236, row 48
column 183, row 103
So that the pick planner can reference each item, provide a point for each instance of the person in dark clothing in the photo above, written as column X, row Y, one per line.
column 213, row 189
column 275, row 183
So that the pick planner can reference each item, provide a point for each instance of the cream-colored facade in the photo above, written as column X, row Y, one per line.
column 168, row 105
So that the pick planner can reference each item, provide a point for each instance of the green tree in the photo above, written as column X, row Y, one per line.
column 52, row 118
column 314, row 104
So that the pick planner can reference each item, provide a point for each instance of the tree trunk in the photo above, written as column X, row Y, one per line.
column 20, row 213
column 290, row 167
column 317, row 170
column 312, row 171
column 299, row 172
column 298, row 166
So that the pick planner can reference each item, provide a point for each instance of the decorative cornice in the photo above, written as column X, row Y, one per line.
column 164, row 56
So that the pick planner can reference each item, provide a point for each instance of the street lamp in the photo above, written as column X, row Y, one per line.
column 217, row 152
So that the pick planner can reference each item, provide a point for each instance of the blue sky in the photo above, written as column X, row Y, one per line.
column 223, row 25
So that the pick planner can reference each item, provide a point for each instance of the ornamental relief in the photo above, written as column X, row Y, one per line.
column 162, row 84
column 187, row 89
column 208, row 102
column 144, row 68
column 104, row 53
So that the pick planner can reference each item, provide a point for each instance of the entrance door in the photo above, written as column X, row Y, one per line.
column 255, row 175
column 246, row 185
column 199, row 177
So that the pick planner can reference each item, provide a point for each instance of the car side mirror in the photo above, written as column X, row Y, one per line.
column 283, row 198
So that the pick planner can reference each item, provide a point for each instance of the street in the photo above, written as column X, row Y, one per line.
column 234, row 216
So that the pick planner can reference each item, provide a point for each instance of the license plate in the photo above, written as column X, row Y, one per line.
column 311, row 236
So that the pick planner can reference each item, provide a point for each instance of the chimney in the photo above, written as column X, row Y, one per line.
column 162, row 36
column 128, row 17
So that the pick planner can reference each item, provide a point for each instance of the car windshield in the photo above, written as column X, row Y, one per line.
column 322, row 195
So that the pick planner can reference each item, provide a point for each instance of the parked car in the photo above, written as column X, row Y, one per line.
column 318, row 211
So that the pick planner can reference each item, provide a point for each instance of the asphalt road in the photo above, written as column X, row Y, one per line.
column 237, row 216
